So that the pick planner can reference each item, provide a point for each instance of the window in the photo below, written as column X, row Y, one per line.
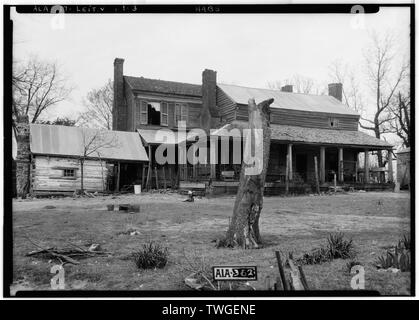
column 164, row 113
column 181, row 112
column 333, row 122
column 69, row 172
column 153, row 109
column 143, row 113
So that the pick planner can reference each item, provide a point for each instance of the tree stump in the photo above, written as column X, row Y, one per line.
column 243, row 230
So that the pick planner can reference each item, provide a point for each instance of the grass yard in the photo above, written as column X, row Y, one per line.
column 375, row 221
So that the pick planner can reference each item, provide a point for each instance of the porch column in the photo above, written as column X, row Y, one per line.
column 340, row 165
column 322, row 164
column 213, row 156
column 366, row 166
column 290, row 162
column 390, row 165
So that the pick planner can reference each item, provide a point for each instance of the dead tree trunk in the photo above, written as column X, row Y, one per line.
column 244, row 227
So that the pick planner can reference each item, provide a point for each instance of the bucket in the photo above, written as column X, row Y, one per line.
column 137, row 188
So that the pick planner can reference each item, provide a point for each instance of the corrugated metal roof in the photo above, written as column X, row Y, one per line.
column 163, row 86
column 70, row 141
column 163, row 136
column 313, row 135
column 287, row 100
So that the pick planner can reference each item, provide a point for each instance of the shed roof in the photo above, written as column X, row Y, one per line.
column 163, row 86
column 406, row 150
column 288, row 100
column 314, row 135
column 70, row 141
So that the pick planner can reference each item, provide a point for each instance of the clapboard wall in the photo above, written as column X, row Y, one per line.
column 47, row 174
column 304, row 118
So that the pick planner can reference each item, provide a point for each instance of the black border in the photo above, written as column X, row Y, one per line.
column 169, row 9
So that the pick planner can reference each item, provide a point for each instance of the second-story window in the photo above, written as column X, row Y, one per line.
column 154, row 113
column 181, row 112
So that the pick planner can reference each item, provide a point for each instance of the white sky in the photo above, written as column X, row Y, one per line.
column 248, row 50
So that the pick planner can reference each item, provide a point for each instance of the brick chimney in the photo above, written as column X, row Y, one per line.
column 119, row 112
column 287, row 88
column 23, row 156
column 209, row 98
column 335, row 90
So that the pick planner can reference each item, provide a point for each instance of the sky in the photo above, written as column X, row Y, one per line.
column 248, row 50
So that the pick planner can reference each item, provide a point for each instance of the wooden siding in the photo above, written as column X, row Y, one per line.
column 226, row 107
column 47, row 174
column 304, row 118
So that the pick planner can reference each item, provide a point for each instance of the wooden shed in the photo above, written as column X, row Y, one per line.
column 61, row 155
column 403, row 168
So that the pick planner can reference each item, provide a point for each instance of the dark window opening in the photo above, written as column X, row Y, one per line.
column 69, row 172
column 154, row 113
column 333, row 122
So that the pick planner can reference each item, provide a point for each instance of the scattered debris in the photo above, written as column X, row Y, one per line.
column 95, row 247
column 190, row 197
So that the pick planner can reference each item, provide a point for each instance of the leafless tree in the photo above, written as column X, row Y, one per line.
column 98, row 103
column 301, row 84
column 384, row 78
column 37, row 85
column 94, row 143
column 351, row 93
column 400, row 124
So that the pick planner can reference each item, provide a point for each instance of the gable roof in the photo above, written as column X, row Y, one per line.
column 162, row 86
column 287, row 100
column 312, row 135
column 69, row 141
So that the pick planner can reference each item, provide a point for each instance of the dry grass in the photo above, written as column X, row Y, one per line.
column 298, row 224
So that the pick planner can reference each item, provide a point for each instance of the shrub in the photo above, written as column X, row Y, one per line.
column 339, row 247
column 152, row 255
column 316, row 256
column 398, row 258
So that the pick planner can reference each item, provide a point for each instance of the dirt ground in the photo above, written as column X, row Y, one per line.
column 375, row 221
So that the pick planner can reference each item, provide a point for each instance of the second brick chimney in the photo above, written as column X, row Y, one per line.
column 209, row 98
column 287, row 88
column 119, row 113
column 335, row 90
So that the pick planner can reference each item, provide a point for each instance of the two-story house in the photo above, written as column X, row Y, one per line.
column 304, row 127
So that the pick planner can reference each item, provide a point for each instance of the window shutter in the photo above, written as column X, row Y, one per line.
column 184, row 112
column 144, row 112
column 177, row 113
column 137, row 113
column 164, row 114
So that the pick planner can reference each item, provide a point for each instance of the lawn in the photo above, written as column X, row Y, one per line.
column 375, row 221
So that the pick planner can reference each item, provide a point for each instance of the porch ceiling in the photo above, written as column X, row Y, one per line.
column 315, row 136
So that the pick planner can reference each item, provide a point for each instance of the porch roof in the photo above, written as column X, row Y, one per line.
column 314, row 136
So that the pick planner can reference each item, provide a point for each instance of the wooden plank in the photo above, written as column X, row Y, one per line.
column 281, row 271
column 143, row 177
